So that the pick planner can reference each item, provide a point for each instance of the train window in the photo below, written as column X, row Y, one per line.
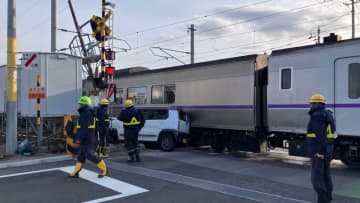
column 285, row 78
column 137, row 94
column 157, row 95
column 169, row 94
column 119, row 95
column 354, row 82
column 163, row 94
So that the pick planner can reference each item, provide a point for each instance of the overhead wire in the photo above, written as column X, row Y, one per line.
column 195, row 18
column 252, row 45
column 233, row 24
column 248, row 32
column 336, row 18
column 266, row 28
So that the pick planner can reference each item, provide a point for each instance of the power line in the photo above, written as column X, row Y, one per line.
column 268, row 28
column 193, row 19
column 233, row 24
column 253, row 45
column 336, row 18
column 262, row 17
column 29, row 8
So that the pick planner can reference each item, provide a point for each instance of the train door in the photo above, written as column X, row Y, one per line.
column 347, row 95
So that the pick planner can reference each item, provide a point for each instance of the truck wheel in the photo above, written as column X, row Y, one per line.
column 347, row 159
column 218, row 144
column 167, row 142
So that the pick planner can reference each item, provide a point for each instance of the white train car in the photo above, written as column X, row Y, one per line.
column 217, row 95
column 239, row 102
column 330, row 69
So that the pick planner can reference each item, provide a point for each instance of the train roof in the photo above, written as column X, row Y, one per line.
column 127, row 72
column 322, row 45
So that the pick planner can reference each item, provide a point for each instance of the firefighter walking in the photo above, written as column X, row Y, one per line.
column 133, row 121
column 85, row 137
column 320, row 139
column 102, row 125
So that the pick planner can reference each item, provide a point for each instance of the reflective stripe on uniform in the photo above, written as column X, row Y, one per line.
column 106, row 120
column 329, row 134
column 310, row 135
column 133, row 121
column 90, row 126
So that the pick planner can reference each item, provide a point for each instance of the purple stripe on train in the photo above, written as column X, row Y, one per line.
column 216, row 107
column 250, row 107
column 301, row 106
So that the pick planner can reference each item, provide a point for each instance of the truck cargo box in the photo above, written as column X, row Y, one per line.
column 61, row 76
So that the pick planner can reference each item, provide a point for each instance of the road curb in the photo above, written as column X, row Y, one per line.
column 35, row 161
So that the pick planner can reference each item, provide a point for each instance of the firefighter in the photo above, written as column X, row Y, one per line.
column 133, row 121
column 102, row 125
column 85, row 137
column 320, row 139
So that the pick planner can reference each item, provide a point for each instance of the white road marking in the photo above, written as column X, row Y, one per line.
column 113, row 184
column 121, row 187
column 30, row 172
column 226, row 189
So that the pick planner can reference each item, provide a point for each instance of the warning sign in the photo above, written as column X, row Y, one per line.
column 37, row 93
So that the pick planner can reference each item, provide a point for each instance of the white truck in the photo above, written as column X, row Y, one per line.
column 165, row 127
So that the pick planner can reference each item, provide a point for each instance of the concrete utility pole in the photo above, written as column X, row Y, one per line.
column 192, row 49
column 53, row 25
column 11, row 93
column 318, row 35
column 102, row 43
column 353, row 18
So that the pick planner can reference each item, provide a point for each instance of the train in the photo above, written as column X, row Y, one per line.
column 258, row 102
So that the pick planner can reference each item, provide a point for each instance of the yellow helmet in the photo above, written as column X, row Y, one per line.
column 104, row 101
column 317, row 98
column 128, row 103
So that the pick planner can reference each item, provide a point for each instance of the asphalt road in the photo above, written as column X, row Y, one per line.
column 185, row 175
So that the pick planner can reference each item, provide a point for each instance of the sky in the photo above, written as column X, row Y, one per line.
column 224, row 28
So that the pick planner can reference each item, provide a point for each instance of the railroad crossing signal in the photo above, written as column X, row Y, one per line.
column 98, row 25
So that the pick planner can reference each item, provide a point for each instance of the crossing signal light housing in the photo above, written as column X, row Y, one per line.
column 100, row 83
column 110, row 70
column 109, row 55
column 98, row 24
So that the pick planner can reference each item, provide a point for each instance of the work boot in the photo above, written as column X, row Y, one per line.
column 137, row 155
column 102, row 153
column 77, row 169
column 322, row 197
column 131, row 157
column 103, row 169
column 329, row 195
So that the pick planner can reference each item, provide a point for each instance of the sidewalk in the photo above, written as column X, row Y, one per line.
column 40, row 158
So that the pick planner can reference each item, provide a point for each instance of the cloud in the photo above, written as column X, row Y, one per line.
column 269, row 20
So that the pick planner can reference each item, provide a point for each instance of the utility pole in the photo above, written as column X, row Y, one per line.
column 318, row 34
column 192, row 49
column 53, row 25
column 102, row 37
column 353, row 18
column 11, row 93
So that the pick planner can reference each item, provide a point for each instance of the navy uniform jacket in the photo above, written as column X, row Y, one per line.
column 320, row 119
column 102, row 117
column 132, row 118
column 85, row 126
